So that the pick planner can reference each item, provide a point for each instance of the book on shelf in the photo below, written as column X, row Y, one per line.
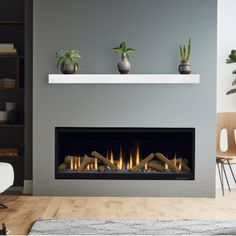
column 7, row 45
column 9, row 152
column 8, row 51
column 7, row 83
column 7, row 48
column 7, row 86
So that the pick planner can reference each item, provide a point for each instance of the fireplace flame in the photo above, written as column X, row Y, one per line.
column 175, row 160
column 130, row 160
column 71, row 163
column 120, row 162
column 75, row 163
column 180, row 165
column 137, row 155
column 78, row 162
column 112, row 157
column 96, row 164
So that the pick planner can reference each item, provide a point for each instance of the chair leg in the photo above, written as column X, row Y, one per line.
column 231, row 170
column 4, row 230
column 226, row 177
column 3, row 206
column 222, row 176
column 221, row 181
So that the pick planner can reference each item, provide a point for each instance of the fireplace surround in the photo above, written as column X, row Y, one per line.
column 125, row 153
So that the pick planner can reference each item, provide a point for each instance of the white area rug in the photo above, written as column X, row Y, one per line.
column 133, row 227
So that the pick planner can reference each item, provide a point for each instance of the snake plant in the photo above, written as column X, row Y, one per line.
column 185, row 52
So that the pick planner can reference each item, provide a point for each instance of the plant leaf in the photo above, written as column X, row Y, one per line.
column 229, row 61
column 130, row 50
column 234, row 82
column 189, row 49
column 231, row 91
column 60, row 62
column 123, row 46
column 181, row 53
column 185, row 53
column 117, row 50
column 232, row 57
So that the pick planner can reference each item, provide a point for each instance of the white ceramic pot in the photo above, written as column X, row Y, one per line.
column 124, row 65
column 10, row 106
column 3, row 117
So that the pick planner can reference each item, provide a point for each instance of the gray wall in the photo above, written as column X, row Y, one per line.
column 155, row 28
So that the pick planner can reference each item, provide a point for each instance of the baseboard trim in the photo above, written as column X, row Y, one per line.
column 28, row 187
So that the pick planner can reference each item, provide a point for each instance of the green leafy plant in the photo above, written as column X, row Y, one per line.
column 72, row 55
column 122, row 49
column 232, row 59
column 185, row 52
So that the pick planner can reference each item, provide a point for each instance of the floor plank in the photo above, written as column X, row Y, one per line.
column 24, row 210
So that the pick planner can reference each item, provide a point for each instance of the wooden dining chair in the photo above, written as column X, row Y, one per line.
column 227, row 121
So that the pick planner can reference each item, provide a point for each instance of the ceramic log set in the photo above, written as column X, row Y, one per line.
column 124, row 65
column 185, row 67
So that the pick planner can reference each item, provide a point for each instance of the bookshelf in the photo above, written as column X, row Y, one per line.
column 12, row 30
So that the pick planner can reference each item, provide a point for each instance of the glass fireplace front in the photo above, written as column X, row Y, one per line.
column 125, row 153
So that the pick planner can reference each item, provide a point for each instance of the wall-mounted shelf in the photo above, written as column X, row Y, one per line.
column 11, row 126
column 12, row 89
column 14, row 55
column 11, row 157
column 124, row 79
column 11, row 22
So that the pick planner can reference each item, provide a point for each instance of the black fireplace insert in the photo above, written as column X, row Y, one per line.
column 125, row 153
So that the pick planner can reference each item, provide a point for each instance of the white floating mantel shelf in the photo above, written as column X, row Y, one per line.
column 124, row 79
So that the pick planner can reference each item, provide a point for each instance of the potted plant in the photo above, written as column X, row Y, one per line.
column 68, row 61
column 232, row 59
column 185, row 67
column 124, row 65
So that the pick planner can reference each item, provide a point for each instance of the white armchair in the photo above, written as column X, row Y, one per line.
column 6, row 178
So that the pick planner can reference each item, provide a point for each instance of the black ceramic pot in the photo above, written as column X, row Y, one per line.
column 185, row 67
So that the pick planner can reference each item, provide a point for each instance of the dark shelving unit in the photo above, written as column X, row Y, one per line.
column 12, row 30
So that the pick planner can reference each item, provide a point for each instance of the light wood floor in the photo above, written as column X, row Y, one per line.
column 24, row 210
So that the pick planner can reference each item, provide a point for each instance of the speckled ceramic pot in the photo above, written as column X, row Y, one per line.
column 68, row 67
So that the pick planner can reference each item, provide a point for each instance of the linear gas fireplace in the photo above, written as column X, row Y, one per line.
column 125, row 153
